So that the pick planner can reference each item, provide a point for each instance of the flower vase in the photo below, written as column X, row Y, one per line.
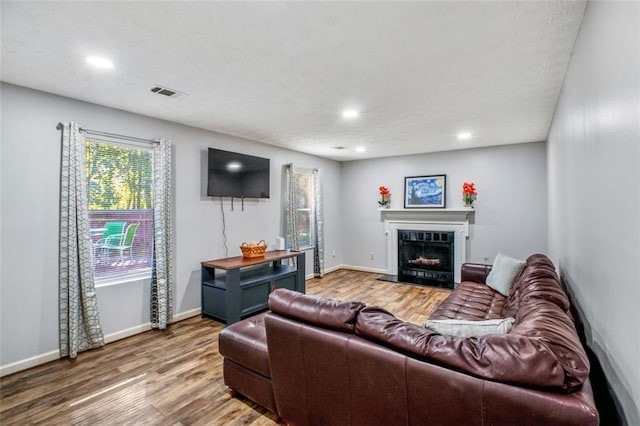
column 468, row 201
column 469, row 193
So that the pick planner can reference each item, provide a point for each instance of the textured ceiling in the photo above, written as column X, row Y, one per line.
column 281, row 72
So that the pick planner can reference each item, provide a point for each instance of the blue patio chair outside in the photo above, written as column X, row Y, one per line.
column 112, row 233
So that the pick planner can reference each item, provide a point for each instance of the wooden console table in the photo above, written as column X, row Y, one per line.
column 245, row 286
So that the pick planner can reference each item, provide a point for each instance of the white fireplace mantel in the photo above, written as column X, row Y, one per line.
column 456, row 220
column 453, row 216
column 424, row 214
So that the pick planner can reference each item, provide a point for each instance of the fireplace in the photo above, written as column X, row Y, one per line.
column 454, row 223
column 426, row 257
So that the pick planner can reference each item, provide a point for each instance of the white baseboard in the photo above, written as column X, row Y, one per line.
column 188, row 314
column 365, row 269
column 24, row 364
column 333, row 269
column 109, row 338
column 354, row 268
column 326, row 271
column 34, row 361
column 123, row 334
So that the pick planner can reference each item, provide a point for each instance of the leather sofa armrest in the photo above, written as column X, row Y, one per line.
column 476, row 272
column 322, row 311
column 381, row 326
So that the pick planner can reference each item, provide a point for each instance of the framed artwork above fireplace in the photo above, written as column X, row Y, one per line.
column 425, row 191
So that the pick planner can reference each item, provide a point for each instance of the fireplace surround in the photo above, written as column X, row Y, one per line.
column 452, row 222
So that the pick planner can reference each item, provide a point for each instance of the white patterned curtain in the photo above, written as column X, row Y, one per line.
column 162, row 275
column 318, row 221
column 80, row 327
column 292, row 203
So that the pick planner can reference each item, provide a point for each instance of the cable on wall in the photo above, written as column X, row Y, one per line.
column 224, row 229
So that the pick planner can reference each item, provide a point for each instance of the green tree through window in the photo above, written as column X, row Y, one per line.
column 119, row 177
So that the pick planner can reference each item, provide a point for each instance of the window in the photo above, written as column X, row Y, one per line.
column 303, row 215
column 304, row 208
column 120, row 189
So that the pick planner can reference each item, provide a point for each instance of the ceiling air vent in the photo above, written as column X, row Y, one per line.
column 167, row 92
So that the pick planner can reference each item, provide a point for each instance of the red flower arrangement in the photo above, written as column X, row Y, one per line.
column 384, row 196
column 469, row 193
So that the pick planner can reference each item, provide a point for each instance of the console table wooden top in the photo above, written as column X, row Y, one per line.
column 240, row 261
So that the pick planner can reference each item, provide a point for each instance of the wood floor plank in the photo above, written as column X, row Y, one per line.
column 173, row 377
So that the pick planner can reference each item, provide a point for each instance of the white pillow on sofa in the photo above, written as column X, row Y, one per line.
column 466, row 328
column 504, row 270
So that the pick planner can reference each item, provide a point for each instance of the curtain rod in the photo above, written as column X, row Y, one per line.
column 112, row 135
column 302, row 169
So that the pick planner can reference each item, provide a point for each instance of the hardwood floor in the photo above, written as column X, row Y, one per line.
column 174, row 376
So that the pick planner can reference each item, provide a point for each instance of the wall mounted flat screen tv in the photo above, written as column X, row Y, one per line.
column 232, row 174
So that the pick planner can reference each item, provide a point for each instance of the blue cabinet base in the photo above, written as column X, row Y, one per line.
column 244, row 290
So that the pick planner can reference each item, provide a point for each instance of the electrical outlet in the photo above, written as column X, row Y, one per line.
column 486, row 260
column 333, row 253
column 371, row 256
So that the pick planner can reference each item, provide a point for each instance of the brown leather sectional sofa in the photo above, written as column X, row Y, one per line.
column 317, row 361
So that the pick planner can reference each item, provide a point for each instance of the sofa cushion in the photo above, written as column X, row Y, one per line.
column 471, row 301
column 328, row 313
column 466, row 328
column 503, row 272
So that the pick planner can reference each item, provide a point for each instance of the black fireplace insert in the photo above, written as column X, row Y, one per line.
column 426, row 257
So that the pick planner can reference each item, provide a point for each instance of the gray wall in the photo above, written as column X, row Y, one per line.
column 29, row 215
column 510, row 210
column 509, row 213
column 594, row 207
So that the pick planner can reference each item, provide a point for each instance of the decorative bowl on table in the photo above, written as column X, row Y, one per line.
column 253, row 249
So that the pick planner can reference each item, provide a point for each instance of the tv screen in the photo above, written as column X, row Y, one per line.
column 237, row 175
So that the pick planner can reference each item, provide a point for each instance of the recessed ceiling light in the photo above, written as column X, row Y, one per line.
column 350, row 113
column 360, row 149
column 464, row 135
column 99, row 62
